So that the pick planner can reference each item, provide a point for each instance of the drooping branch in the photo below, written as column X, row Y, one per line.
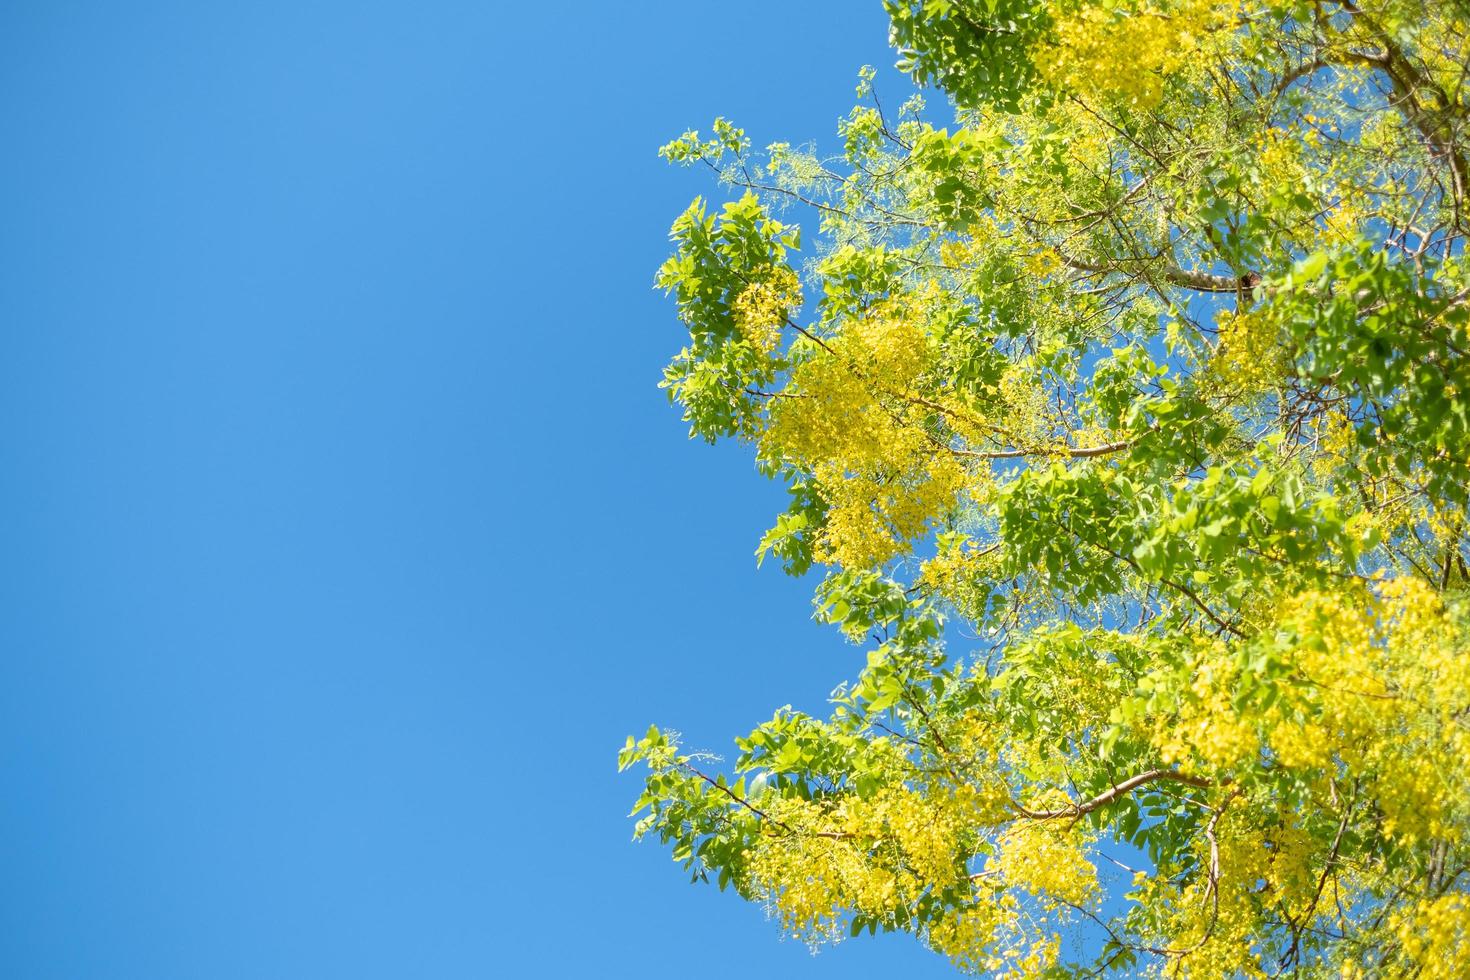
column 1179, row 587
column 1212, row 883
column 719, row 785
column 1114, row 793
column 1087, row 452
column 1205, row 282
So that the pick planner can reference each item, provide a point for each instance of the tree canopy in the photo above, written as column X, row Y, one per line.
column 1123, row 411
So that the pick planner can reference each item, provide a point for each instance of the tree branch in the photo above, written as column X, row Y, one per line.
column 1114, row 793
column 1205, row 282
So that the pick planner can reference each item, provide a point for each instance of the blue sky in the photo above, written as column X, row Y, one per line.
column 345, row 533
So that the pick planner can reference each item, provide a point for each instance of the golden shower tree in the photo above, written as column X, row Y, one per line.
column 1144, row 382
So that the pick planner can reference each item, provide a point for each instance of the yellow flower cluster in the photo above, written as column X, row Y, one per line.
column 856, row 421
column 1249, row 356
column 965, row 935
column 960, row 574
column 877, row 854
column 1382, row 680
column 1445, row 524
column 1213, row 924
column 1374, row 684
column 926, row 834
column 762, row 308
column 984, row 938
column 1337, row 442
column 872, row 517
column 856, row 393
column 1279, row 155
column 1023, row 403
column 1293, row 868
column 810, row 883
column 1435, row 937
column 1128, row 53
column 1043, row 262
column 1207, row 731
column 869, row 855
column 1047, row 859
column 1344, row 223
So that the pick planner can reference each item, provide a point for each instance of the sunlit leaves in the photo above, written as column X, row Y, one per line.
column 1124, row 420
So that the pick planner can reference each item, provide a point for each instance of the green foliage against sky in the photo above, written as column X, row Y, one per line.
column 1124, row 407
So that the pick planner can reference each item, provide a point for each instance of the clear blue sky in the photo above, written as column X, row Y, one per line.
column 345, row 533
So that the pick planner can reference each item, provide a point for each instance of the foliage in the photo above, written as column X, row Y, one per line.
column 1149, row 370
